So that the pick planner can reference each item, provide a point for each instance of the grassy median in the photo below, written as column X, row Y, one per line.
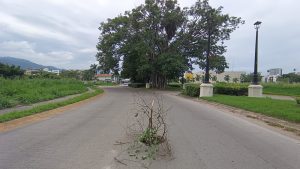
column 46, row 107
column 282, row 89
column 282, row 109
column 27, row 91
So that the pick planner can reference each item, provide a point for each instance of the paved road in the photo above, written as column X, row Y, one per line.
column 202, row 137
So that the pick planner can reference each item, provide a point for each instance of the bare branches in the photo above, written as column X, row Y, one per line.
column 146, row 133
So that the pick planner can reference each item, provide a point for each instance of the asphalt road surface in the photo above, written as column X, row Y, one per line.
column 201, row 136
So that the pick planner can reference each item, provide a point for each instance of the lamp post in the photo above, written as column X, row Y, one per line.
column 255, row 90
column 255, row 75
column 206, row 89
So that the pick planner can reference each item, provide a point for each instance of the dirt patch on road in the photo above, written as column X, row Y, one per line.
column 10, row 125
column 284, row 127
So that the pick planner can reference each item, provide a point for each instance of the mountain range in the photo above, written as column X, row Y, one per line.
column 23, row 63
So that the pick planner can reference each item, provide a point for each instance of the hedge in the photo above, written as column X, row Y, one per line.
column 234, row 89
column 137, row 85
column 192, row 90
column 175, row 85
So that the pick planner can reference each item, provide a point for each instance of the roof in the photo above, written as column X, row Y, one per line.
column 104, row 75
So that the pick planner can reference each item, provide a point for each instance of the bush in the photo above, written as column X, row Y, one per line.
column 175, row 85
column 298, row 100
column 4, row 103
column 137, row 85
column 233, row 89
column 192, row 90
column 104, row 83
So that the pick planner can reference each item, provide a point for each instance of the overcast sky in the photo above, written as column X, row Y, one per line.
column 64, row 33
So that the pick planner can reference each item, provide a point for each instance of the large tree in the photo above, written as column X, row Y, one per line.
column 158, row 40
column 208, row 28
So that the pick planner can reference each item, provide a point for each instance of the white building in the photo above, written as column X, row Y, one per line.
column 274, row 74
column 52, row 71
column 55, row 71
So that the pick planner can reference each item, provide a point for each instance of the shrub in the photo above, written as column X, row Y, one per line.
column 137, row 85
column 192, row 90
column 298, row 100
column 233, row 89
column 175, row 85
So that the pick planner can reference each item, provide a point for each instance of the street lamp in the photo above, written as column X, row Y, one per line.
column 255, row 90
column 255, row 75
column 206, row 79
column 206, row 89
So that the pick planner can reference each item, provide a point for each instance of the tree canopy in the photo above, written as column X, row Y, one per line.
column 10, row 71
column 158, row 41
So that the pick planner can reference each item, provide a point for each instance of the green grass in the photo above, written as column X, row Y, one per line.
column 282, row 109
column 27, row 91
column 282, row 89
column 38, row 109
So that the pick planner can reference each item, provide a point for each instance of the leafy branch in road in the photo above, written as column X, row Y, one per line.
column 156, row 129
column 148, row 132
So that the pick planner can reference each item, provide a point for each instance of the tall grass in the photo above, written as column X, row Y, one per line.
column 46, row 107
column 26, row 91
column 282, row 89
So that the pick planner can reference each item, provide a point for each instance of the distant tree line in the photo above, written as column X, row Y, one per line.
column 8, row 71
column 289, row 78
column 248, row 78
column 87, row 75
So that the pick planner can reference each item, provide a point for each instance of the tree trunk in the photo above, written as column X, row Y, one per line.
column 158, row 81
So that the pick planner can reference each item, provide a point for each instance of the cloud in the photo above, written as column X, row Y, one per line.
column 26, row 50
column 65, row 32
column 88, row 50
column 14, row 25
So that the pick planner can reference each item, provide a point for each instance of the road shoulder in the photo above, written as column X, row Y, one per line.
column 283, row 127
column 20, row 122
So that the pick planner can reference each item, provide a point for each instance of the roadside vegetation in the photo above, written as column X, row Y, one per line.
column 235, row 95
column 234, row 89
column 27, row 91
column 282, row 89
column 102, row 83
column 174, row 86
column 192, row 89
column 10, row 71
column 38, row 109
column 282, row 109
column 241, row 89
